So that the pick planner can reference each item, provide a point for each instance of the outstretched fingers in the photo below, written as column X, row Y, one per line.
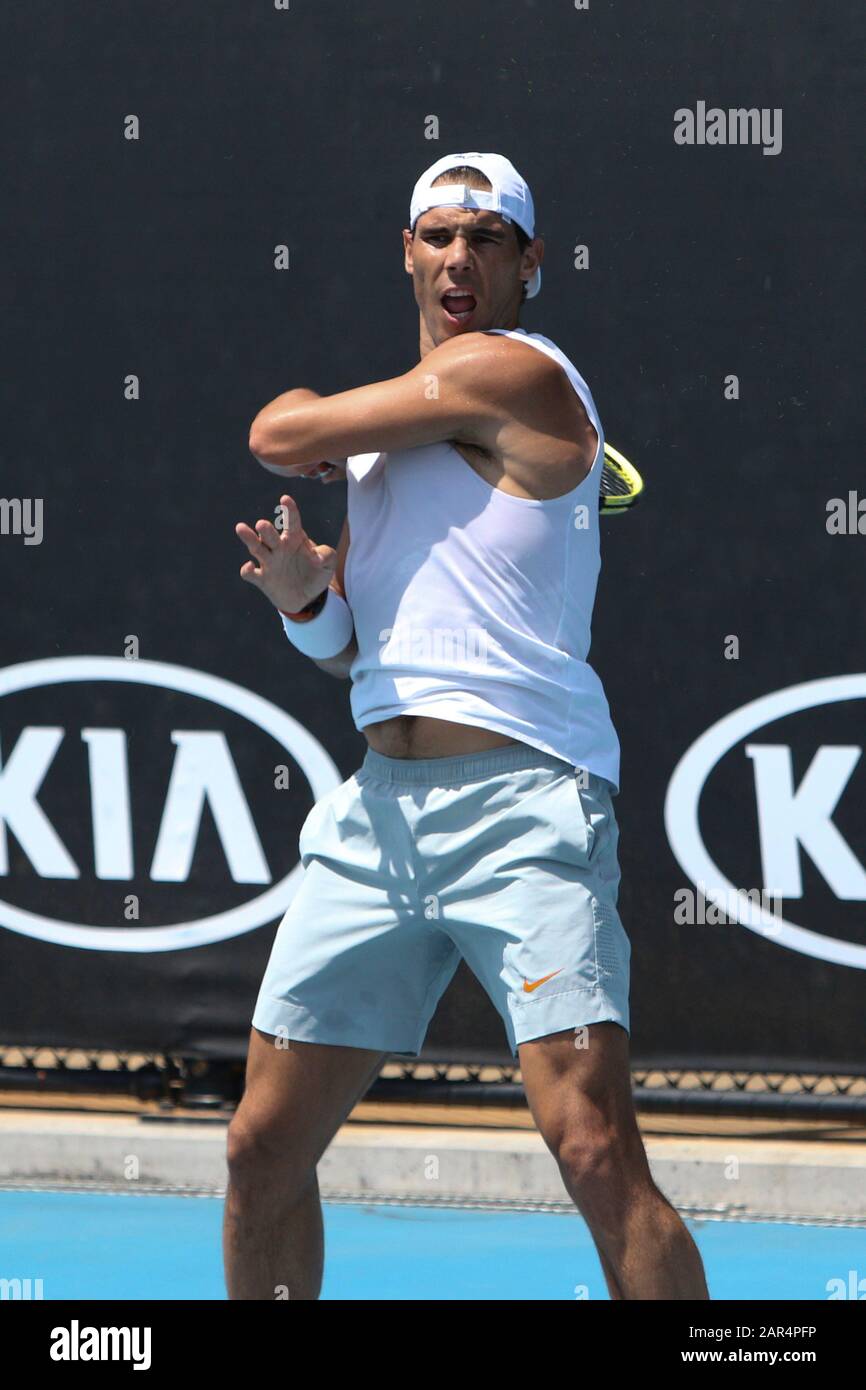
column 251, row 541
column 291, row 527
column 267, row 534
column 251, row 573
column 290, row 516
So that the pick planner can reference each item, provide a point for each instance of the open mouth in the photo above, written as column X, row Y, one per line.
column 459, row 305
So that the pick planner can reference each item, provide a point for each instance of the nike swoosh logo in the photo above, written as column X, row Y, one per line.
column 529, row 987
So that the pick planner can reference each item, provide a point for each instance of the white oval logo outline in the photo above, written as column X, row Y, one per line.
column 683, row 798
column 318, row 767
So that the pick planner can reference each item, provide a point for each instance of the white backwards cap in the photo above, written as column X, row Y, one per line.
column 508, row 195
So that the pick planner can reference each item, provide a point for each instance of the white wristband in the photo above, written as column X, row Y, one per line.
column 326, row 634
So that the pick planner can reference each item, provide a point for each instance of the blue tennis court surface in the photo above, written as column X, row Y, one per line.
column 118, row 1246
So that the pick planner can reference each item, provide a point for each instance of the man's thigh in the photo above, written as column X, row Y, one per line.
column 578, row 1085
column 534, row 909
column 298, row 1094
column 355, row 962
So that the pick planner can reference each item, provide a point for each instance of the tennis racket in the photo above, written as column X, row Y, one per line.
column 621, row 484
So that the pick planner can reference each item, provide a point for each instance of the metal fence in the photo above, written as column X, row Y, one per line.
column 194, row 1083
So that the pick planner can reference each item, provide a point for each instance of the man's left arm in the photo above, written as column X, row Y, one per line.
column 458, row 391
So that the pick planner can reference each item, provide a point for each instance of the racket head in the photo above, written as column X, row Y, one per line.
column 621, row 484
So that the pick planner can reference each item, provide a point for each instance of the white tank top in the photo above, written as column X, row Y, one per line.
column 473, row 605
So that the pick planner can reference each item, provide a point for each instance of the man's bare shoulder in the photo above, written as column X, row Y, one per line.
column 502, row 372
column 521, row 420
column 477, row 352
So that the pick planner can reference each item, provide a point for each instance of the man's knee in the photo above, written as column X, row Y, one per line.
column 261, row 1150
column 589, row 1154
column 247, row 1145
column 597, row 1152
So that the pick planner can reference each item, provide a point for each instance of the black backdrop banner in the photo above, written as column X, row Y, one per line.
column 160, row 741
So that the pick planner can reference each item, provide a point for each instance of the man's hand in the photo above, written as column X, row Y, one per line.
column 288, row 568
column 326, row 472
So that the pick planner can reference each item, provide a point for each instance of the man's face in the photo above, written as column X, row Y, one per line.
column 473, row 251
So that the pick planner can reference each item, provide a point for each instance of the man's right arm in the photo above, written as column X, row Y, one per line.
column 340, row 664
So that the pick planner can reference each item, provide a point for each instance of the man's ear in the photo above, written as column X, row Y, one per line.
column 536, row 246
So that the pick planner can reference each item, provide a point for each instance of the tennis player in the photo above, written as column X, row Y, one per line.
column 481, row 824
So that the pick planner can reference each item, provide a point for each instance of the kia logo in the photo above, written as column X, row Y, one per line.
column 203, row 773
column 788, row 817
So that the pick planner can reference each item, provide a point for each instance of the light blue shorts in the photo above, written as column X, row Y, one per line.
column 500, row 857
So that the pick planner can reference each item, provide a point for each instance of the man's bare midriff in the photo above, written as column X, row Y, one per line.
column 419, row 736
